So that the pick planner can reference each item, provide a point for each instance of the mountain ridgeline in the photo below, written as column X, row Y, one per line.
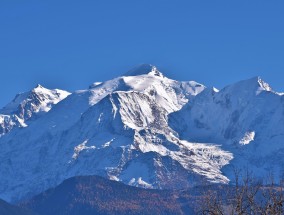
column 142, row 129
column 95, row 195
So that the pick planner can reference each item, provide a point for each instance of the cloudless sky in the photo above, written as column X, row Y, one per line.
column 71, row 44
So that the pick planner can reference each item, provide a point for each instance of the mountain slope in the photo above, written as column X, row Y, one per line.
column 28, row 105
column 96, row 195
column 8, row 209
column 247, row 118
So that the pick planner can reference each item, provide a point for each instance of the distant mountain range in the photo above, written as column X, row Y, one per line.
column 142, row 129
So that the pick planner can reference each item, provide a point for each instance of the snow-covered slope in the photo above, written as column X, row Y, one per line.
column 28, row 105
column 247, row 118
column 146, row 130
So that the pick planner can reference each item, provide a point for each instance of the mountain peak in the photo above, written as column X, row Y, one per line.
column 253, row 85
column 39, row 86
column 265, row 86
column 24, row 106
column 144, row 69
column 259, row 84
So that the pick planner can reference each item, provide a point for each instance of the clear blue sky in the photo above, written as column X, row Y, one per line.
column 70, row 44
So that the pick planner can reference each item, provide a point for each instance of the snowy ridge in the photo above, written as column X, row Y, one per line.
column 157, row 86
column 27, row 105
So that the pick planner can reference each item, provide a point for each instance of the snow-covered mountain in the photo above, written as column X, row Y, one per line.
column 28, row 105
column 145, row 130
column 247, row 118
